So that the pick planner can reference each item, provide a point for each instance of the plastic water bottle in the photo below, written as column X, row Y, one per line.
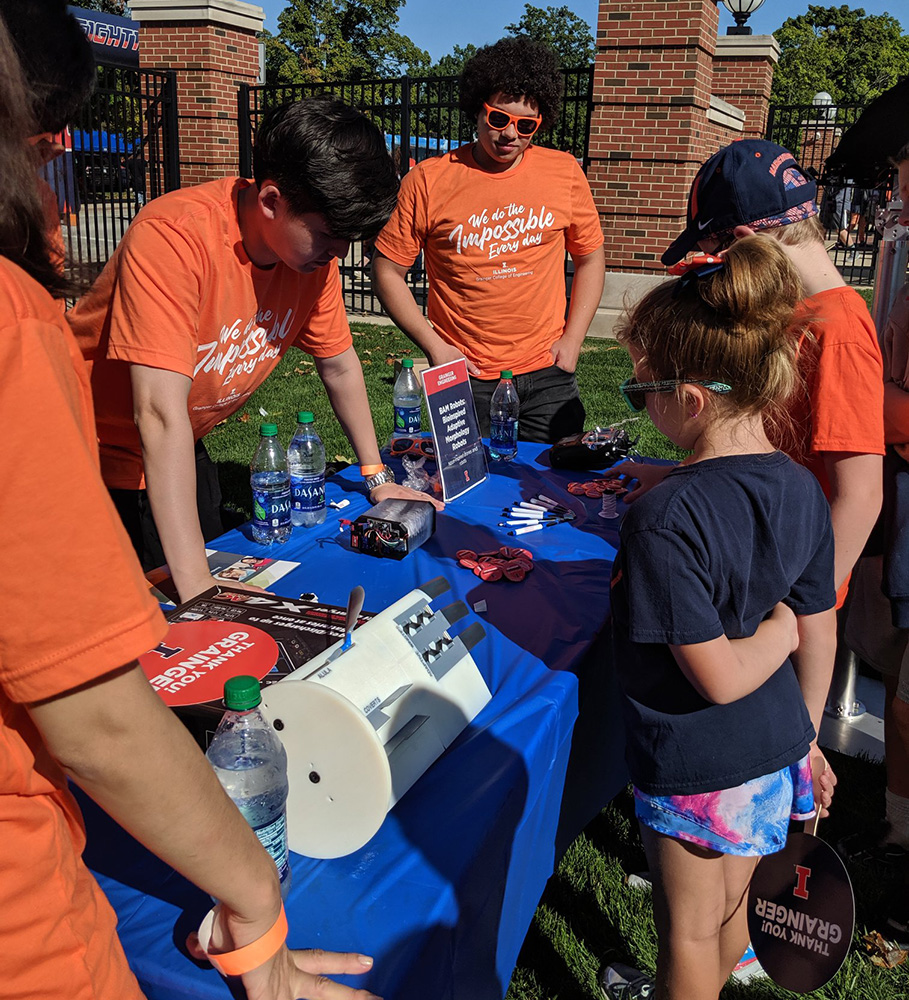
column 270, row 489
column 306, row 465
column 407, row 400
column 251, row 765
column 503, row 420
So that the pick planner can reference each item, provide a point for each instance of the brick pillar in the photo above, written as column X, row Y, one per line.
column 649, row 129
column 212, row 45
column 742, row 74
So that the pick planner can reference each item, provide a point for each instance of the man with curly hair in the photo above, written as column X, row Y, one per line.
column 494, row 219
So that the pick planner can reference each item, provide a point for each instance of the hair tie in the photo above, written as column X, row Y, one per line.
column 697, row 266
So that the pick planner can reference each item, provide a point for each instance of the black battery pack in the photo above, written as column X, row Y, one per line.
column 393, row 528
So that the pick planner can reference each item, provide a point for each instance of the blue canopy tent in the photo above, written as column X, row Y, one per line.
column 422, row 146
column 99, row 140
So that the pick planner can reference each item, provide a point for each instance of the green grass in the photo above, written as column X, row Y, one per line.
column 294, row 385
column 587, row 915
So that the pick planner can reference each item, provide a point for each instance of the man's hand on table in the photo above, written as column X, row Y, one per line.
column 394, row 491
column 643, row 473
column 302, row 975
column 294, row 975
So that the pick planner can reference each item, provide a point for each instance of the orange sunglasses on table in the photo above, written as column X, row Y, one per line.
column 524, row 125
column 413, row 446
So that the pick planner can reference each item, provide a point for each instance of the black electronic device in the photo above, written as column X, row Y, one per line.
column 393, row 528
column 596, row 449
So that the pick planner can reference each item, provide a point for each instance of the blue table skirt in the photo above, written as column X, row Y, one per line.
column 443, row 895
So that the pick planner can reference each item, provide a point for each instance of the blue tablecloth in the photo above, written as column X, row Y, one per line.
column 443, row 895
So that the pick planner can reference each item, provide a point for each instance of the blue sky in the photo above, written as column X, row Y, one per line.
column 483, row 21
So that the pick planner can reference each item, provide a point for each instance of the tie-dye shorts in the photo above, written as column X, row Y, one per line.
column 751, row 819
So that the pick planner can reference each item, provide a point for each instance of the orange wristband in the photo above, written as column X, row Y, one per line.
column 371, row 470
column 251, row 956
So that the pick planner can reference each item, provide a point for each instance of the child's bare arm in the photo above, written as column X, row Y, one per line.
column 724, row 670
column 813, row 662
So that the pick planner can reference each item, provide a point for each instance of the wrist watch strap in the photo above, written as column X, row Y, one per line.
column 379, row 479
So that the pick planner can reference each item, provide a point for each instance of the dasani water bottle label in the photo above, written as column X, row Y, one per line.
column 308, row 491
column 272, row 507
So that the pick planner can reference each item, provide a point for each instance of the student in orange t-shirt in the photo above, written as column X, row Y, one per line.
column 205, row 293
column 494, row 219
column 73, row 701
column 836, row 425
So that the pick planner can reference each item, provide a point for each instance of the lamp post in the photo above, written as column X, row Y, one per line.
column 741, row 10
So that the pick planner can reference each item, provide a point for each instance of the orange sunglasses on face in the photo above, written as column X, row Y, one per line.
column 500, row 120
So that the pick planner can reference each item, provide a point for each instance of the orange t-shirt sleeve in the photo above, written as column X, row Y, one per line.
column 155, row 300
column 847, row 401
column 405, row 232
column 325, row 332
column 585, row 233
column 74, row 600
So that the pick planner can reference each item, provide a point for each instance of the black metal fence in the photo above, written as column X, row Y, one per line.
column 847, row 210
column 122, row 151
column 419, row 115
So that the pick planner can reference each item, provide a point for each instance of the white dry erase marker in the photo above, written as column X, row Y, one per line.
column 535, row 527
column 525, row 524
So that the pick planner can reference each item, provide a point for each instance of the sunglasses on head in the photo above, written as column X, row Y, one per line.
column 500, row 120
column 635, row 393
column 413, row 446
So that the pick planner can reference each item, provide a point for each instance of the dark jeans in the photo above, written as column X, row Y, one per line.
column 135, row 512
column 551, row 406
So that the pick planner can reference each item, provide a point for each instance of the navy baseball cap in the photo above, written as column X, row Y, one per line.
column 751, row 182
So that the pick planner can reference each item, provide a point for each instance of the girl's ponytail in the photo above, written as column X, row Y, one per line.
column 733, row 323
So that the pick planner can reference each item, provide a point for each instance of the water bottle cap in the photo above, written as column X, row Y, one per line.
column 269, row 430
column 506, row 375
column 305, row 417
column 407, row 363
column 242, row 693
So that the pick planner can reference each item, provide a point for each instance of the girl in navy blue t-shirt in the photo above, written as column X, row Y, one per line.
column 722, row 598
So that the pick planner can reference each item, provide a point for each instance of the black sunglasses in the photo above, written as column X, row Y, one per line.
column 635, row 393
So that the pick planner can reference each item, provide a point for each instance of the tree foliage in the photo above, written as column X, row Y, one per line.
column 852, row 55
column 568, row 35
column 453, row 63
column 118, row 7
column 321, row 40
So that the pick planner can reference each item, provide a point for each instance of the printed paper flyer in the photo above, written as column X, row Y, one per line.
column 460, row 454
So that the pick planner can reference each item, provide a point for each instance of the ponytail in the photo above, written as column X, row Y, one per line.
column 731, row 323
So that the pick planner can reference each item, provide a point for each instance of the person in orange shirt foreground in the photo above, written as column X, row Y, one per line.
column 73, row 701
column 835, row 426
column 207, row 290
column 495, row 218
